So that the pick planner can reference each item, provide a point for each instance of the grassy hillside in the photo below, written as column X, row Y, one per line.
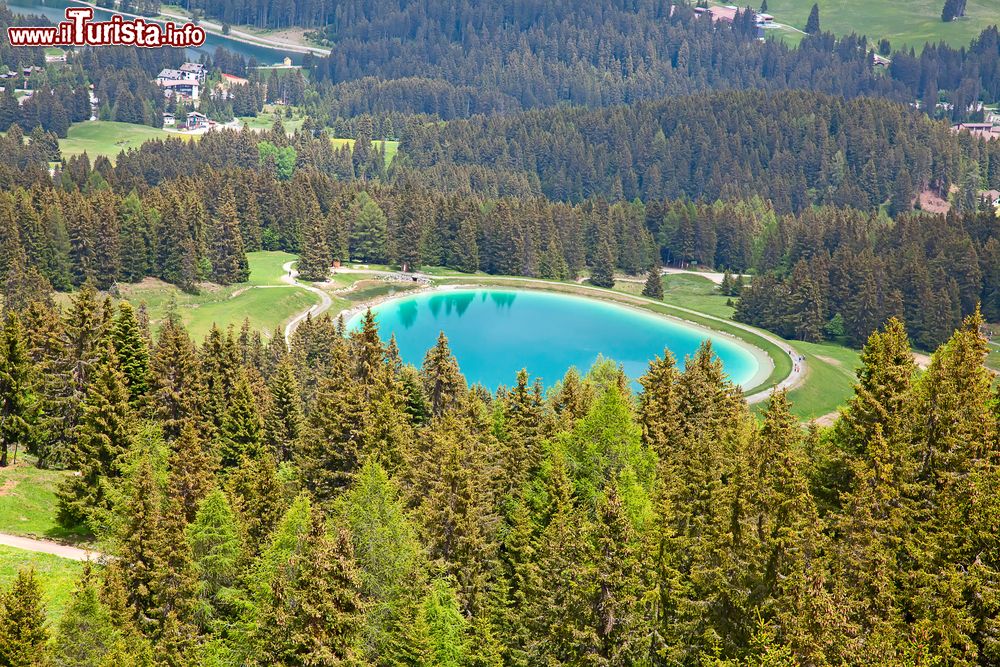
column 905, row 23
column 28, row 502
column 266, row 301
column 56, row 575
column 101, row 137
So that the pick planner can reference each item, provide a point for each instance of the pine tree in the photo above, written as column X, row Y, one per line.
column 336, row 441
column 602, row 273
column 133, row 352
column 812, row 24
column 283, row 424
column 192, row 471
column 17, row 404
column 658, row 404
column 881, row 393
column 86, row 633
column 559, row 607
column 138, row 537
column 228, row 255
column 177, row 387
column 314, row 262
column 258, row 498
column 104, row 435
column 240, row 435
column 654, row 285
column 315, row 612
column 444, row 383
column 23, row 634
column 620, row 627
column 217, row 556
column 368, row 233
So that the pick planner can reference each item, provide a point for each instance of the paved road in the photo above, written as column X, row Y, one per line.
column 670, row 271
column 47, row 547
column 289, row 277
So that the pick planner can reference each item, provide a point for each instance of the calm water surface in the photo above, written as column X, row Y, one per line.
column 494, row 333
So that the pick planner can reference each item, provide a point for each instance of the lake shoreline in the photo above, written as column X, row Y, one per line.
column 764, row 363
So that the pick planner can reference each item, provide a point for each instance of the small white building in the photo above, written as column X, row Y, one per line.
column 195, row 70
column 168, row 119
column 179, row 88
column 196, row 121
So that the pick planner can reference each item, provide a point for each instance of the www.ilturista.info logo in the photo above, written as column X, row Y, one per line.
column 79, row 30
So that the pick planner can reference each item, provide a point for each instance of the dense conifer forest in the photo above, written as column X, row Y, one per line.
column 329, row 504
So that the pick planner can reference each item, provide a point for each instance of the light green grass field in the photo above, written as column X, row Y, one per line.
column 390, row 147
column 904, row 23
column 28, row 502
column 264, row 300
column 108, row 138
column 829, row 379
column 993, row 360
column 265, row 121
column 687, row 291
column 56, row 575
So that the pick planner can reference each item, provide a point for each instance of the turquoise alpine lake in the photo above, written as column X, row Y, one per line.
column 496, row 332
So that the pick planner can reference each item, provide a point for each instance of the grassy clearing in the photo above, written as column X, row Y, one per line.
column 390, row 147
column 264, row 300
column 904, row 23
column 56, row 575
column 829, row 380
column 687, row 291
column 993, row 359
column 28, row 502
column 265, row 121
column 108, row 138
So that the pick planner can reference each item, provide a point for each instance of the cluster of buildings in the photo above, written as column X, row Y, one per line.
column 192, row 121
column 184, row 83
column 727, row 14
column 988, row 130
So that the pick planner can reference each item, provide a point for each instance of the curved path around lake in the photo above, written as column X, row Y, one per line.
column 289, row 277
column 49, row 547
column 793, row 380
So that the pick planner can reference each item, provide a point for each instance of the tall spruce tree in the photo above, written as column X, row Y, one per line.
column 602, row 273
column 23, row 631
column 17, row 402
column 103, row 436
column 283, row 424
column 444, row 383
column 654, row 284
column 315, row 611
column 133, row 352
column 812, row 23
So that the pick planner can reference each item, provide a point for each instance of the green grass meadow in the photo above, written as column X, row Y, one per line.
column 56, row 575
column 266, row 301
column 904, row 23
column 108, row 138
column 28, row 502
